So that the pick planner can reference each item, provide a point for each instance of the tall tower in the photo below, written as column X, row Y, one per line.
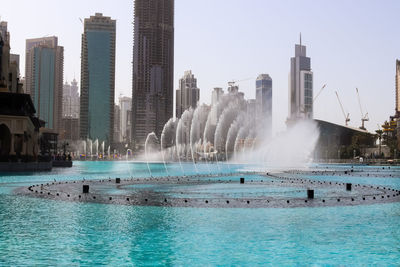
column 153, row 67
column 4, row 55
column 397, row 88
column 44, row 78
column 125, row 104
column 300, row 85
column 98, row 79
column 188, row 94
column 70, row 100
column 51, row 41
column 264, row 103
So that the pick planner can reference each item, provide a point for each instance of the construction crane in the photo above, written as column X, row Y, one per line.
column 365, row 117
column 233, row 82
column 347, row 118
column 302, row 108
column 320, row 91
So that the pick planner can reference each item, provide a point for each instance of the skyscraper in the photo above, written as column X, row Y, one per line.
column 216, row 95
column 301, row 85
column 188, row 94
column 125, row 104
column 70, row 100
column 14, row 74
column 51, row 41
column 4, row 54
column 44, row 78
column 153, row 66
column 98, row 79
column 117, row 124
column 397, row 88
column 264, row 102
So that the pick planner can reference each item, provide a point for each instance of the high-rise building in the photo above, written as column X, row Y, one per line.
column 71, row 101
column 14, row 75
column 4, row 54
column 216, row 95
column 44, row 78
column 264, row 103
column 117, row 124
column 125, row 105
column 98, row 79
column 51, row 41
column 188, row 94
column 397, row 88
column 300, row 85
column 153, row 67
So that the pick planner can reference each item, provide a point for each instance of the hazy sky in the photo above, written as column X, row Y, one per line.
column 351, row 44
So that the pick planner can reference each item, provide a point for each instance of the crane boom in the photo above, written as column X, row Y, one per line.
column 346, row 118
column 320, row 91
column 359, row 102
column 365, row 117
column 233, row 82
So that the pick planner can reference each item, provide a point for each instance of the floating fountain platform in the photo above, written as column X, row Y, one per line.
column 239, row 190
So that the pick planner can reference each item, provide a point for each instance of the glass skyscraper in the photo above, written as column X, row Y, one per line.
column 44, row 78
column 98, row 79
column 153, row 68
column 264, row 103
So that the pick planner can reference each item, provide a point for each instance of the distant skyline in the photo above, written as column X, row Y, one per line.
column 351, row 44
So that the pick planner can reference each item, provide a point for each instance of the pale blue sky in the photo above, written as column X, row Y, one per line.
column 351, row 44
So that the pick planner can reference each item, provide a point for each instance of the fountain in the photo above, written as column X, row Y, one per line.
column 151, row 143
column 90, row 146
column 96, row 145
column 102, row 149
column 84, row 147
column 128, row 153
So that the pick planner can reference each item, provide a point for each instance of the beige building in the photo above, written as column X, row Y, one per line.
column 19, row 128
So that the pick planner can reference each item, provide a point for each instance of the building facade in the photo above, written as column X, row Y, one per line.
column 216, row 95
column 117, row 124
column 4, row 54
column 71, row 101
column 300, row 85
column 264, row 103
column 397, row 88
column 125, row 104
column 19, row 128
column 15, row 84
column 153, row 67
column 51, row 41
column 188, row 94
column 70, row 128
column 98, row 79
column 45, row 61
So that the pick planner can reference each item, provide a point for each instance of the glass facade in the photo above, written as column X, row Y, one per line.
column 44, row 84
column 99, row 52
column 98, row 79
column 264, row 102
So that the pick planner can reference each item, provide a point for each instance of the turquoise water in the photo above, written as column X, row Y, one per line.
column 45, row 232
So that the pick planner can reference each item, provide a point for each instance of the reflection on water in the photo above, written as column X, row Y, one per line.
column 34, row 231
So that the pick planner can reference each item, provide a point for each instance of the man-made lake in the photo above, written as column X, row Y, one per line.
column 37, row 231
